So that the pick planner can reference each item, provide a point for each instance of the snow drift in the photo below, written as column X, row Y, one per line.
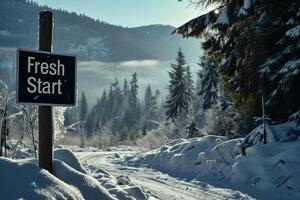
column 271, row 168
column 89, row 187
column 25, row 180
column 69, row 158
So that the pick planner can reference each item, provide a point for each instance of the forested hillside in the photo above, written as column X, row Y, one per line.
column 89, row 39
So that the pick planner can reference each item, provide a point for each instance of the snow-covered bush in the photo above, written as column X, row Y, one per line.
column 216, row 121
column 154, row 138
column 59, row 120
column 6, row 96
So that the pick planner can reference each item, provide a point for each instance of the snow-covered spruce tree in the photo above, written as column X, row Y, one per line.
column 151, row 115
column 118, row 98
column 281, row 71
column 125, row 88
column 133, row 93
column 93, row 118
column 135, row 113
column 97, row 118
column 242, row 36
column 82, row 117
column 147, row 98
column 83, row 107
column 190, row 85
column 147, row 106
column 102, row 118
column 209, row 82
column 109, row 104
column 178, row 98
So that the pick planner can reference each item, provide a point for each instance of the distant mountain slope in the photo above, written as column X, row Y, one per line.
column 88, row 38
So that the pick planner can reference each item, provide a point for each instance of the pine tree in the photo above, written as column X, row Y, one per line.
column 157, row 93
column 117, row 99
column 190, row 84
column 125, row 88
column 151, row 109
column 92, row 118
column 256, row 43
column 134, row 91
column 132, row 115
column 152, row 113
column 178, row 99
column 83, row 107
column 209, row 82
column 147, row 99
column 104, row 109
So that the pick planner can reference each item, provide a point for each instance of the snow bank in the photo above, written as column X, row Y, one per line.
column 272, row 168
column 89, row 187
column 69, row 158
column 185, row 157
column 25, row 180
column 273, row 165
column 86, row 181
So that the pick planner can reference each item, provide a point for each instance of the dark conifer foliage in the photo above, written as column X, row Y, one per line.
column 190, row 84
column 83, row 107
column 179, row 91
column 256, row 46
column 209, row 82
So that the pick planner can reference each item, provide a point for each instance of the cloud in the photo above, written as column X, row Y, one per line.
column 139, row 63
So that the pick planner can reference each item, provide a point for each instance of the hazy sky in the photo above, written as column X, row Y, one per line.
column 130, row 13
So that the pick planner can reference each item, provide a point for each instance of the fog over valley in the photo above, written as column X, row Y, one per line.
column 95, row 76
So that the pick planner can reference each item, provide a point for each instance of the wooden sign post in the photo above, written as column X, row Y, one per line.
column 45, row 112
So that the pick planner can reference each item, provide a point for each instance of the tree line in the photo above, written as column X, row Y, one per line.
column 118, row 111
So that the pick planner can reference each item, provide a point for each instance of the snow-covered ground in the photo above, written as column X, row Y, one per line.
column 23, row 179
column 210, row 167
column 91, row 173
column 156, row 185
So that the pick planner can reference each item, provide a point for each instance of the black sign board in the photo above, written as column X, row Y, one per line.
column 45, row 78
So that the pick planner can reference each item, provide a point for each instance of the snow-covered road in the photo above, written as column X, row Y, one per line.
column 159, row 185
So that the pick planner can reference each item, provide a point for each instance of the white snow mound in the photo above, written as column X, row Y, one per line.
column 89, row 187
column 25, row 180
column 69, row 158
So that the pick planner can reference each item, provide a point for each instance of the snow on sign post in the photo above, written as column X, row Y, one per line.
column 45, row 79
